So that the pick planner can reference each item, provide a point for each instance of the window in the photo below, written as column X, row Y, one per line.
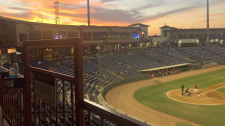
column 34, row 35
column 72, row 34
column 85, row 35
column 165, row 33
column 192, row 36
column 180, row 36
column 114, row 35
column 22, row 37
column 211, row 36
column 174, row 37
column 196, row 35
column 100, row 35
column 47, row 35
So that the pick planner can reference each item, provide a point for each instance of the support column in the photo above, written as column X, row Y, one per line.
column 79, row 87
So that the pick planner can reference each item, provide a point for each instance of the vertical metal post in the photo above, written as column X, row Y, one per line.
column 56, row 107
column 88, row 12
column 64, row 105
column 207, row 37
column 72, row 103
column 35, row 102
column 11, row 58
column 78, row 79
column 39, row 110
column 27, row 89
column 89, row 118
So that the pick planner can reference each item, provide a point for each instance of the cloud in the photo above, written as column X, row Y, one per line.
column 106, row 1
column 150, row 4
column 103, row 12
column 112, row 15
column 198, row 4
column 19, row 16
column 218, row 15
column 210, row 20
column 18, row 10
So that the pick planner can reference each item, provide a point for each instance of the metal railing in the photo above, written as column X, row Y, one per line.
column 108, row 116
column 11, row 100
column 52, row 98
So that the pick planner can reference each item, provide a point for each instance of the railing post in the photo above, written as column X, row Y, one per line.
column 79, row 91
column 1, row 119
column 1, row 92
column 27, row 89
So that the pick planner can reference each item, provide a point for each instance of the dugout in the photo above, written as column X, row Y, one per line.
column 177, row 68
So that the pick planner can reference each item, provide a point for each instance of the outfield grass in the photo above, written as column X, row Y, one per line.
column 155, row 97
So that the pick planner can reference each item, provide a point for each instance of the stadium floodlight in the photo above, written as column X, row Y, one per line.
column 56, row 3
column 207, row 37
column 88, row 12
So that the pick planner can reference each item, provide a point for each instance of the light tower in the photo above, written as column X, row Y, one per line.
column 207, row 34
column 56, row 3
column 88, row 12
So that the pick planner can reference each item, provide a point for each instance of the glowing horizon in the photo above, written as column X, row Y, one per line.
column 156, row 13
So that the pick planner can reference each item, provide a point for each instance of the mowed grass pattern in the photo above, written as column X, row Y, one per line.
column 155, row 97
column 222, row 90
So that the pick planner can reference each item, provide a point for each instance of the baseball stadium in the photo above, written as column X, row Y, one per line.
column 109, row 75
column 162, row 103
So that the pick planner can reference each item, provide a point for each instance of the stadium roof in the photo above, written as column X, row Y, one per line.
column 140, row 25
column 169, row 28
column 166, row 26
column 196, row 29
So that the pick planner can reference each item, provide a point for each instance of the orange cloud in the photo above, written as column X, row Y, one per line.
column 217, row 15
column 95, row 3
column 36, row 3
column 74, row 11
column 76, row 2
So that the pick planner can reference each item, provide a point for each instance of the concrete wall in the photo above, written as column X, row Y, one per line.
column 22, row 28
column 145, row 30
column 159, row 39
column 40, row 29
column 196, row 34
column 15, row 32
column 9, row 34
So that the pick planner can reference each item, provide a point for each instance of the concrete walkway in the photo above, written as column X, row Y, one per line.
column 2, row 121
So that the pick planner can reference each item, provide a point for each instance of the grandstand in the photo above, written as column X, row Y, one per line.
column 111, row 54
column 103, row 70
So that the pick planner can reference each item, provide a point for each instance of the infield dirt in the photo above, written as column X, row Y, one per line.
column 208, row 96
column 122, row 99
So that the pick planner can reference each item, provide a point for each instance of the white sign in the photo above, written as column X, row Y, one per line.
column 45, row 92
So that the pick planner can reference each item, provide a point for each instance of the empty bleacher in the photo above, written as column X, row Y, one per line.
column 100, row 71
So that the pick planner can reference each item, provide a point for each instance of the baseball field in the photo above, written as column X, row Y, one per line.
column 162, row 104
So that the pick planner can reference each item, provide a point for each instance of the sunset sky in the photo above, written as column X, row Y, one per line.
column 156, row 13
